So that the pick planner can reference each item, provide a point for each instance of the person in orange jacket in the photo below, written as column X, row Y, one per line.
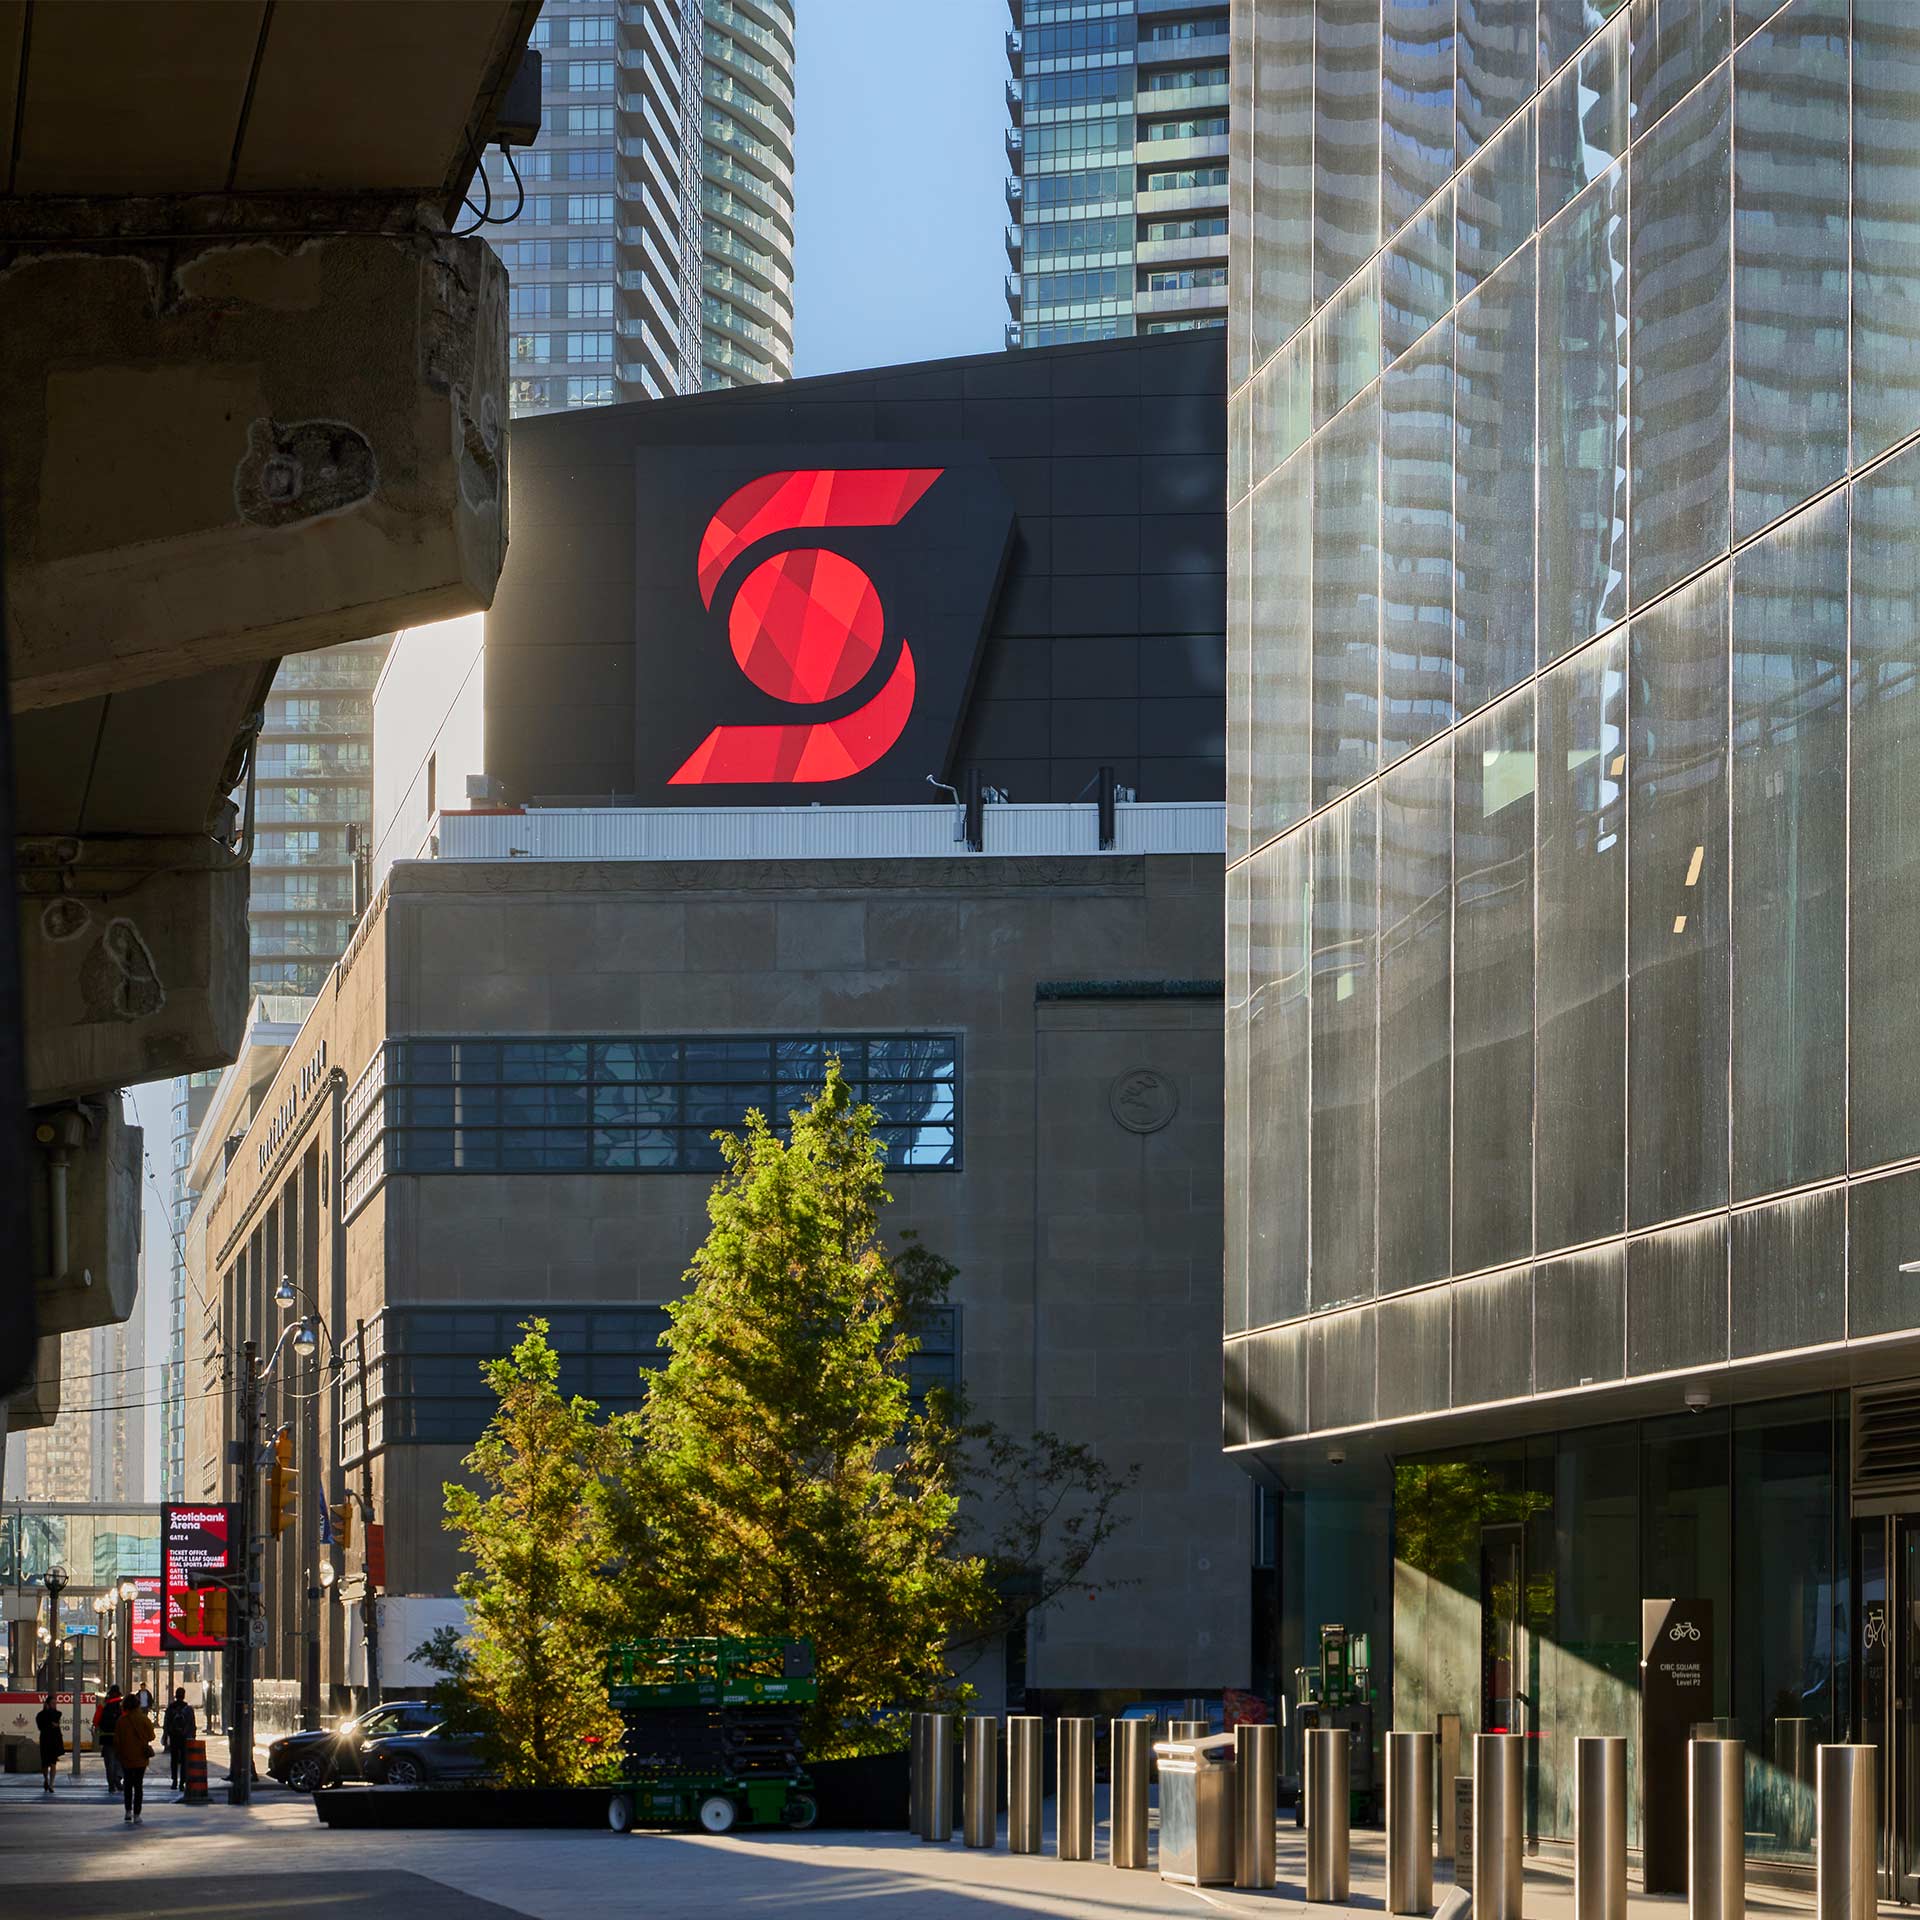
column 133, row 1743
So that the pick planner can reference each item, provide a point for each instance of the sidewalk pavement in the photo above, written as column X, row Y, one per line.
column 75, row 1859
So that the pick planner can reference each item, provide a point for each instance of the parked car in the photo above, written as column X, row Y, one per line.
column 322, row 1758
column 421, row 1759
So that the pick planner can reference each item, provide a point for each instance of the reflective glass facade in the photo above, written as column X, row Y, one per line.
column 1575, row 854
column 1574, row 834
column 652, row 253
column 1117, row 144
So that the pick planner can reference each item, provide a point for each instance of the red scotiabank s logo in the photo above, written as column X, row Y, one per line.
column 806, row 626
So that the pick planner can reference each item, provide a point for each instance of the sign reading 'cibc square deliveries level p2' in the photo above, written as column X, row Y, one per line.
column 1676, row 1694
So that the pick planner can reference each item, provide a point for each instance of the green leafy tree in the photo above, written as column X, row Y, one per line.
column 1439, row 1508
column 531, row 1667
column 781, row 1479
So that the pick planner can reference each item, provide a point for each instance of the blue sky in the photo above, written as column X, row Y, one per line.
column 899, row 108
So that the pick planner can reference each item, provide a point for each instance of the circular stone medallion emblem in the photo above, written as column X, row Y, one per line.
column 1143, row 1099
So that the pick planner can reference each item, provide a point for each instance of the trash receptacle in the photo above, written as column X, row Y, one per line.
column 1197, row 1810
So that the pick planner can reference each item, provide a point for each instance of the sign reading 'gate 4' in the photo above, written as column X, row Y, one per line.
column 1676, row 1693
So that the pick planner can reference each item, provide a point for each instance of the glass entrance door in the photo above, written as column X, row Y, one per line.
column 1886, row 1647
column 1501, row 1707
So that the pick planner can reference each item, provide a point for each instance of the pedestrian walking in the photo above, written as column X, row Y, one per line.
column 133, row 1741
column 53, row 1743
column 106, row 1716
column 177, row 1729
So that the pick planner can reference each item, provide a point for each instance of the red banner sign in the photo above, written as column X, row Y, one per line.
column 146, row 1616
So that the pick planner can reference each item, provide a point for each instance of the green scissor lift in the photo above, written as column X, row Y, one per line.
column 712, row 1732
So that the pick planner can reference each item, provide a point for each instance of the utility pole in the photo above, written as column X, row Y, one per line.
column 371, row 1600
column 241, row 1590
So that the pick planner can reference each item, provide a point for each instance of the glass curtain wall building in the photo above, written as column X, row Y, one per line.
column 652, row 253
column 1574, row 852
column 1117, row 140
column 312, row 792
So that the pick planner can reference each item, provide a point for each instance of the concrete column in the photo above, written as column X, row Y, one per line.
column 221, row 451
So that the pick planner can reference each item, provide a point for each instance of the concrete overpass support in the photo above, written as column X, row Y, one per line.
column 223, row 448
column 134, row 959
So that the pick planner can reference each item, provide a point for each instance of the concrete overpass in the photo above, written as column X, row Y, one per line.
column 252, row 401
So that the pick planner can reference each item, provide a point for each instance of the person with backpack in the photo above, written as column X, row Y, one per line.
column 177, row 1729
column 106, row 1716
column 133, row 1742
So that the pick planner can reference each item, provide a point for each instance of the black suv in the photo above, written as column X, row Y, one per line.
column 304, row 1761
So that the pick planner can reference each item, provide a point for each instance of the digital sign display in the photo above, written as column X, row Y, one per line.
column 195, row 1567
column 146, row 1616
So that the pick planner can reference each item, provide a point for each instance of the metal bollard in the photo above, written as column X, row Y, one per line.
column 1256, row 1757
column 980, row 1820
column 1073, row 1799
column 917, row 1773
column 1327, row 1816
column 1600, row 1827
column 1446, row 1765
column 1130, row 1762
column 939, row 1800
column 1499, row 1775
column 1409, row 1822
column 1026, row 1747
column 1846, row 1866
column 1189, row 1730
column 1793, row 1745
column 1716, row 1829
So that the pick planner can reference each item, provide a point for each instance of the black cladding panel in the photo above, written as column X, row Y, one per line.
column 1036, row 651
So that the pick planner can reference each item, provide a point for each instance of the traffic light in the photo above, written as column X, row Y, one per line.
column 342, row 1517
column 189, row 1627
column 214, row 1613
column 281, row 1479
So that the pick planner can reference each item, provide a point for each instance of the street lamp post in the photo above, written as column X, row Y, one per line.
column 127, row 1592
column 320, row 1574
column 240, row 1618
column 105, row 1625
column 56, row 1585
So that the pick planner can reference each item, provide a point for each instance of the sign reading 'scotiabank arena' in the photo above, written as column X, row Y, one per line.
column 808, row 619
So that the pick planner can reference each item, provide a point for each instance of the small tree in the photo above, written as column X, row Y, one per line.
column 532, row 1664
column 783, row 1481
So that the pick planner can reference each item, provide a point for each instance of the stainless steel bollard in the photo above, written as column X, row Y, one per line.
column 979, row 1784
column 1256, row 1759
column 1446, row 1765
column 1328, row 1840
column 938, row 1806
column 1410, row 1822
column 1026, row 1747
column 1793, row 1745
column 1130, row 1763
column 1716, row 1829
column 917, row 1773
column 1499, row 1776
column 1600, row 1827
column 1846, row 1866
column 1073, row 1799
column 1189, row 1730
